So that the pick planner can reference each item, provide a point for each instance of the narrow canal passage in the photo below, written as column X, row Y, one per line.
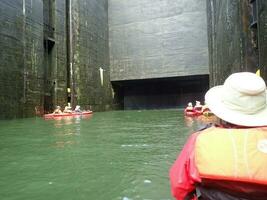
column 112, row 155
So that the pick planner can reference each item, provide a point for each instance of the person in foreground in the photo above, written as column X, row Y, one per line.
column 227, row 161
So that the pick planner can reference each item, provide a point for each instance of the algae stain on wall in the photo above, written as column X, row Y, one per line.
column 236, row 32
column 90, row 52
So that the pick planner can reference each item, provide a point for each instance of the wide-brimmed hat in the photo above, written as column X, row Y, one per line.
column 241, row 100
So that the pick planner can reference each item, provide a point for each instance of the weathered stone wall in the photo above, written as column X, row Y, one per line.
column 157, row 38
column 232, row 47
column 90, row 53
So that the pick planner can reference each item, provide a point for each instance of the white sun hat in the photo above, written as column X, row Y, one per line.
column 241, row 100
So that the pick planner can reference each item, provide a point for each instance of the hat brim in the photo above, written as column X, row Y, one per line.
column 213, row 99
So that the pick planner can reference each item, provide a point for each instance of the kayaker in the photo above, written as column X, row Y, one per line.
column 68, row 109
column 189, row 107
column 77, row 109
column 198, row 106
column 57, row 110
column 227, row 160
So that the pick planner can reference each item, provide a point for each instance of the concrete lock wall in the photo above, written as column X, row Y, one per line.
column 55, row 54
column 45, row 49
column 34, row 55
column 33, row 76
column 237, row 37
column 91, row 54
column 157, row 38
column 262, row 36
column 21, row 55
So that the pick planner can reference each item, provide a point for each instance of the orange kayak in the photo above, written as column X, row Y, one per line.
column 73, row 114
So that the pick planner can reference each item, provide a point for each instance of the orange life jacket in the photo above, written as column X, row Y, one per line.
column 232, row 154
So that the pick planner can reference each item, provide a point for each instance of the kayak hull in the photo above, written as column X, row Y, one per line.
column 189, row 114
column 73, row 114
column 192, row 113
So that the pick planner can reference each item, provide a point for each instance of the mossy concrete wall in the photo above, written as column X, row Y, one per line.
column 157, row 38
column 34, row 77
column 91, row 54
column 60, row 69
column 21, row 55
column 55, row 58
column 235, row 42
column 262, row 36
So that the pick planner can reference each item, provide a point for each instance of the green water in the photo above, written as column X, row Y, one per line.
column 122, row 155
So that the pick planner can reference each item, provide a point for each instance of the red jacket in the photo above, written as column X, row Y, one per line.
column 183, row 173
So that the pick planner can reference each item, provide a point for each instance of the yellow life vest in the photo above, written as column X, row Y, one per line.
column 232, row 154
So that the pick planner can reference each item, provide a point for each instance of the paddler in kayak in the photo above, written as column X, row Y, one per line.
column 227, row 161
column 67, row 109
column 78, row 109
column 189, row 110
column 198, row 108
column 189, row 107
column 57, row 110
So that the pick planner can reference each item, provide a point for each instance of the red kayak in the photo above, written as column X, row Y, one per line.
column 73, row 114
column 198, row 110
column 190, row 113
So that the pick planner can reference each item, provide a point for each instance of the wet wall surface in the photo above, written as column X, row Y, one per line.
column 91, row 54
column 262, row 28
column 33, row 63
column 155, row 38
column 34, row 68
column 60, row 69
column 55, row 54
column 232, row 39
column 21, row 53
column 31, row 75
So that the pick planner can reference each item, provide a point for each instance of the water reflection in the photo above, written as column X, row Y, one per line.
column 62, row 144
column 66, row 128
column 69, row 120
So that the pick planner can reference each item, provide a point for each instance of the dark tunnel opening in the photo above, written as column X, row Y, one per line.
column 162, row 93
